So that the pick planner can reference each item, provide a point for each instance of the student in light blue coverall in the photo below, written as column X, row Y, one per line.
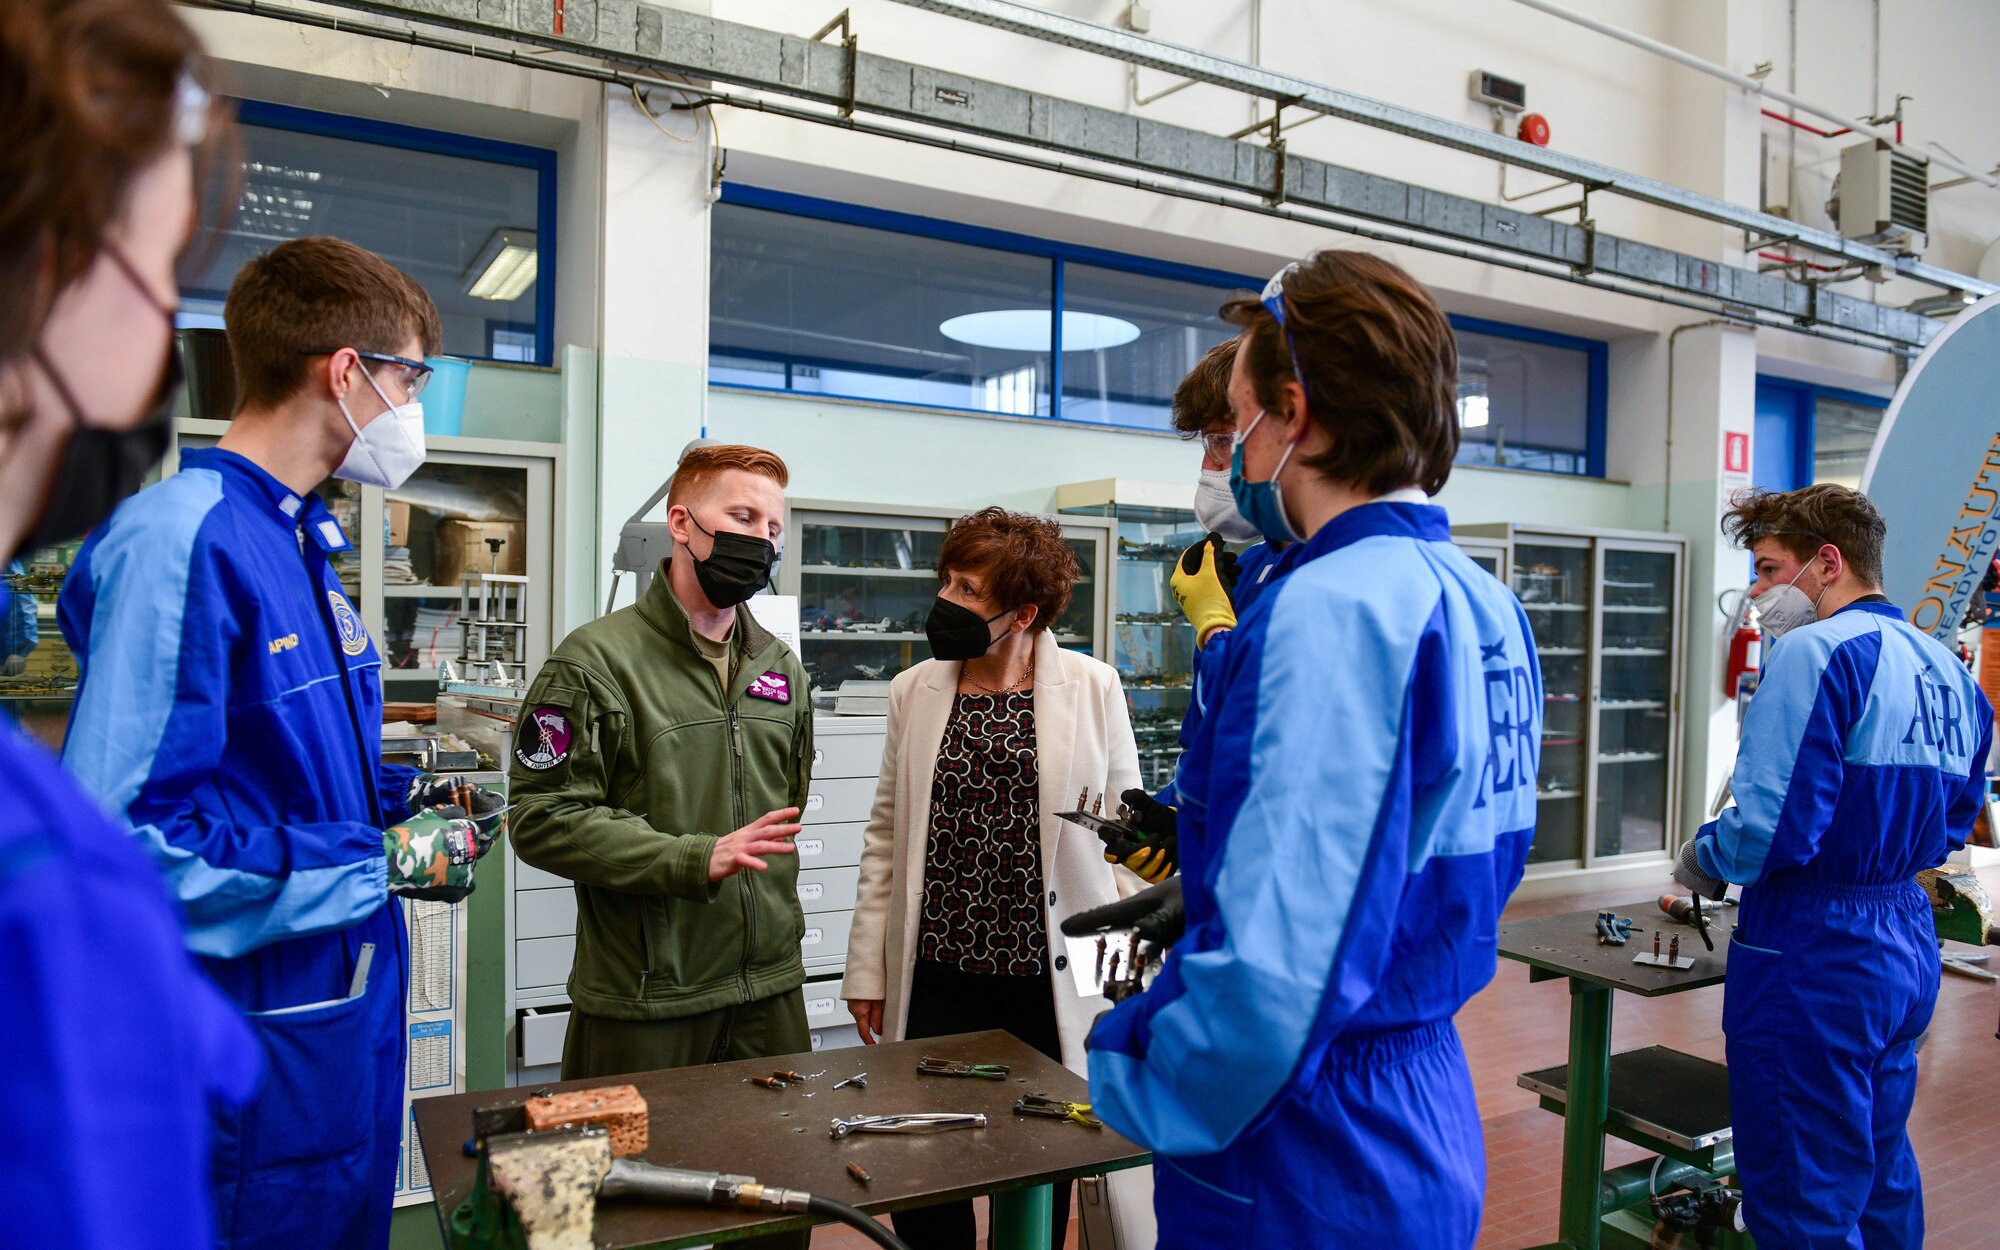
column 1355, row 810
column 114, row 1044
column 231, row 707
column 1862, row 762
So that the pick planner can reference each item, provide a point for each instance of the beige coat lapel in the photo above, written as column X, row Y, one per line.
column 923, row 737
column 1055, row 740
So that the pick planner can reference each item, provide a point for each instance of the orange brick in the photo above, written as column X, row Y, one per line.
column 619, row 1108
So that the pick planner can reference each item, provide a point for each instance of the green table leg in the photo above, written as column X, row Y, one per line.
column 1584, row 1113
column 1021, row 1218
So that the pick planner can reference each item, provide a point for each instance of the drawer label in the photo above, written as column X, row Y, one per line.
column 811, row 846
column 819, row 756
column 813, row 937
column 820, row 1006
column 810, row 890
column 815, row 801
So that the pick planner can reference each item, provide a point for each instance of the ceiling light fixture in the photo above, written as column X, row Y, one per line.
column 1027, row 330
column 505, row 267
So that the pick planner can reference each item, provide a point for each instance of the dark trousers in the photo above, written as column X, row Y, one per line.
column 945, row 1000
column 597, row 1046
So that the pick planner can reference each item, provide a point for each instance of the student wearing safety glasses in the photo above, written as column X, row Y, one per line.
column 1354, row 812
column 231, row 708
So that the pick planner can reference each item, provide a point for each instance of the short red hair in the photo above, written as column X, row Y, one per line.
column 1023, row 559
column 702, row 465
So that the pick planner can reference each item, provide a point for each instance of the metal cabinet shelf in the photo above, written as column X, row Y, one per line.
column 1607, row 608
column 1152, row 642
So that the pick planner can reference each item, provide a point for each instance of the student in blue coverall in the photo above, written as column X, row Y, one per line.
column 114, row 1043
column 1354, row 811
column 1862, row 762
column 1212, row 585
column 231, row 706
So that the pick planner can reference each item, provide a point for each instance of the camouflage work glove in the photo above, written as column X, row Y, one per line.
column 431, row 856
column 456, row 796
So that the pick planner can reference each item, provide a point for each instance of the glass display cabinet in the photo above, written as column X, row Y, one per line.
column 1152, row 644
column 1607, row 611
column 866, row 575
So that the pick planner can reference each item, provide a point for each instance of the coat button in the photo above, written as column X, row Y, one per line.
column 1052, row 898
column 1062, row 961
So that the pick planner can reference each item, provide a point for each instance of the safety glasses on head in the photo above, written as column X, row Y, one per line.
column 1273, row 300
column 416, row 374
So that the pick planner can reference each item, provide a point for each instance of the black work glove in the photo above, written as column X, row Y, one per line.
column 1154, row 853
column 1156, row 914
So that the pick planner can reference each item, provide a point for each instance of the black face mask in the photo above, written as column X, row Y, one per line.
column 957, row 632
column 738, row 566
column 101, row 467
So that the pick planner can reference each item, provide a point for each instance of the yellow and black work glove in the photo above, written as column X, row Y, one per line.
column 1155, row 853
column 1204, row 581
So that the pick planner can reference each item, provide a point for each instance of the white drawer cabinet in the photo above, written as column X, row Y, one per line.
column 827, row 889
column 830, row 846
column 544, row 913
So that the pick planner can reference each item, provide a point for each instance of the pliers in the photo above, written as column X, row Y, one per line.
column 954, row 1067
column 1056, row 1109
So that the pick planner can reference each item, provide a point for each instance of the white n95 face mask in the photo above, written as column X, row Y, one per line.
column 388, row 449
column 1785, row 608
column 1215, row 508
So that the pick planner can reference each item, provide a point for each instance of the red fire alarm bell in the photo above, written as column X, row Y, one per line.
column 1534, row 129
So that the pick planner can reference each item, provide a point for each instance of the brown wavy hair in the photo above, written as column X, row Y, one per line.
column 1022, row 559
column 88, row 91
column 1805, row 519
column 1379, row 364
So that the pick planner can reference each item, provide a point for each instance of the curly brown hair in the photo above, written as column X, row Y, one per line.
column 1022, row 558
column 1379, row 364
column 1803, row 520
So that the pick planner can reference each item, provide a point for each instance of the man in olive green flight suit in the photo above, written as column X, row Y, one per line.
column 661, row 764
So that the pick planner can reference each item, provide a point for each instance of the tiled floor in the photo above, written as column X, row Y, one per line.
column 1513, row 1026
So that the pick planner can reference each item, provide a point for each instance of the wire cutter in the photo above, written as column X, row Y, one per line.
column 911, row 1122
column 954, row 1067
column 1056, row 1109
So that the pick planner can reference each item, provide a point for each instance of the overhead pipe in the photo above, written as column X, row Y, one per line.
column 1747, row 83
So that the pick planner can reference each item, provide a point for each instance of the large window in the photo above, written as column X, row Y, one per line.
column 470, row 219
column 814, row 297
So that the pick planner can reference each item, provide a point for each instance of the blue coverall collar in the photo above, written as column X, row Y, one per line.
column 1422, row 521
column 1880, row 607
column 278, row 501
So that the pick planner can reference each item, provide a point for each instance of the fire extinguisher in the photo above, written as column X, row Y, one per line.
column 1746, row 646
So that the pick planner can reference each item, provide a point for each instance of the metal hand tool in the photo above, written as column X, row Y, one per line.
column 911, row 1122
column 1057, row 1109
column 954, row 1067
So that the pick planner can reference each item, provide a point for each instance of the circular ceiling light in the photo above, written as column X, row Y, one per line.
column 1027, row 330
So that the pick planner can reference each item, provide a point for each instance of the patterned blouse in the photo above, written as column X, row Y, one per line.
column 983, row 871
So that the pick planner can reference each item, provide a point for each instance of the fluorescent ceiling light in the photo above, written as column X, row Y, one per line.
column 505, row 267
column 1027, row 330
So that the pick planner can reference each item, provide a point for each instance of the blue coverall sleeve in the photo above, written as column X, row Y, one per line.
column 392, row 790
column 1789, row 766
column 1313, row 866
column 147, row 734
column 1970, row 791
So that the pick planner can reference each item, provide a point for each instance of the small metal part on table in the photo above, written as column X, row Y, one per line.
column 1113, row 974
column 798, row 1078
column 1098, row 975
column 768, row 1082
column 911, row 1122
column 859, row 1173
column 955, row 1067
column 859, row 1081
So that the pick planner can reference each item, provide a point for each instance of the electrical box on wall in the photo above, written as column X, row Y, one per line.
column 1502, row 93
column 1885, row 196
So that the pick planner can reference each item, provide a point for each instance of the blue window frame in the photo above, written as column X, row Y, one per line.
column 820, row 297
column 1807, row 433
column 444, row 208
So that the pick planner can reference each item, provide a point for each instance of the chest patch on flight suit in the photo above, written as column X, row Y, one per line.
column 353, row 638
column 772, row 686
column 545, row 743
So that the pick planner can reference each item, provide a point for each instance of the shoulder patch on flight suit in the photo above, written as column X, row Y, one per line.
column 353, row 638
column 544, row 741
column 773, row 686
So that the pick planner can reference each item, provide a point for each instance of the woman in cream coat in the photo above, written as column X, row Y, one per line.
column 966, row 870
